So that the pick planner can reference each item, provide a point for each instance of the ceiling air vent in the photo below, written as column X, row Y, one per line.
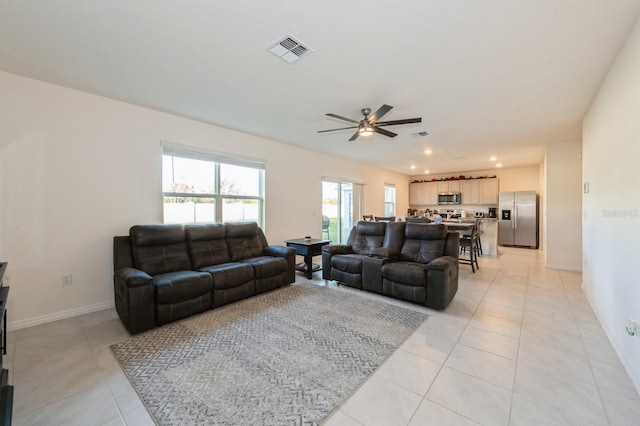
column 289, row 49
column 420, row 134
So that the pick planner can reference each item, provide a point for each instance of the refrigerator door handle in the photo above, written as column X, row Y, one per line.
column 514, row 225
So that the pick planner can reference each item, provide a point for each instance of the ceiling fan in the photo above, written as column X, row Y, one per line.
column 370, row 124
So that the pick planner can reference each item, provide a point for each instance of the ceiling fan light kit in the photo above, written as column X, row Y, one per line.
column 371, row 124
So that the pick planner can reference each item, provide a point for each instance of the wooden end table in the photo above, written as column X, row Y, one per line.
column 308, row 248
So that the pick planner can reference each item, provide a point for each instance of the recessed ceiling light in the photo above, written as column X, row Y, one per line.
column 426, row 172
column 499, row 165
column 427, row 151
column 492, row 159
column 413, row 167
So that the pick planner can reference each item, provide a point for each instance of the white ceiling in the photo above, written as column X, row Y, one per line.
column 492, row 77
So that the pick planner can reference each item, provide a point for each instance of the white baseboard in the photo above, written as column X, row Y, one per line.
column 69, row 313
column 572, row 268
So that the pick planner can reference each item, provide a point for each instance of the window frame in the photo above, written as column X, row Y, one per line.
column 390, row 203
column 192, row 153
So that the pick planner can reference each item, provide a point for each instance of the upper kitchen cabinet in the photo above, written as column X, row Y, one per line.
column 448, row 186
column 430, row 193
column 488, row 191
column 415, row 193
column 423, row 193
column 470, row 191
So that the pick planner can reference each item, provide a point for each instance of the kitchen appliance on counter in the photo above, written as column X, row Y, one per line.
column 493, row 212
column 518, row 225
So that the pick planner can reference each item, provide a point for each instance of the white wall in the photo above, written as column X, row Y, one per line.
column 563, row 205
column 77, row 169
column 611, row 209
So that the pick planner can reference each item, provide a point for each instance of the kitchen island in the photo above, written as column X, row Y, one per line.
column 487, row 232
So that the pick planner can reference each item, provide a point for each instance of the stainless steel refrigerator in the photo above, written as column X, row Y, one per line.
column 518, row 219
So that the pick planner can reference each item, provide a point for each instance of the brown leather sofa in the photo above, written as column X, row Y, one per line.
column 163, row 273
column 409, row 261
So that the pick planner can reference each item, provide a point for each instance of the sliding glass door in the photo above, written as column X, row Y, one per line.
column 341, row 203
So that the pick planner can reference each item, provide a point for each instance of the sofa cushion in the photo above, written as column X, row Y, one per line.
column 179, row 286
column 243, row 240
column 267, row 266
column 159, row 249
column 229, row 275
column 423, row 243
column 369, row 235
column 207, row 244
column 408, row 273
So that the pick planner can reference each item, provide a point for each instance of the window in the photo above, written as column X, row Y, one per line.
column 203, row 187
column 389, row 200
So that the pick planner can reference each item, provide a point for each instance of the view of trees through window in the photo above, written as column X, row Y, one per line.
column 197, row 191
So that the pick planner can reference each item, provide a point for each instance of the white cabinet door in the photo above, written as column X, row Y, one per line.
column 489, row 190
column 469, row 191
column 430, row 193
column 415, row 194
column 449, row 186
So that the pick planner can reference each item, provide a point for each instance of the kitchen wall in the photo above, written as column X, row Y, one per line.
column 611, row 204
column 77, row 169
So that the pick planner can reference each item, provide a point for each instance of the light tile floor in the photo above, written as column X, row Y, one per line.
column 519, row 345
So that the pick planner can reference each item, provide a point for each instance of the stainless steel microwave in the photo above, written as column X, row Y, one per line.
column 449, row 198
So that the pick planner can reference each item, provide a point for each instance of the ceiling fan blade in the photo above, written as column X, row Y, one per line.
column 379, row 113
column 339, row 117
column 355, row 135
column 384, row 132
column 341, row 128
column 395, row 122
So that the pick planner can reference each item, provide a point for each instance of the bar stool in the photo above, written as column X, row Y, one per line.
column 469, row 240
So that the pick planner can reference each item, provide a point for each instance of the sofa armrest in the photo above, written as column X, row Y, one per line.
column 442, row 281
column 289, row 253
column 134, row 299
column 442, row 263
column 328, row 252
column 334, row 249
column 132, row 277
column 279, row 251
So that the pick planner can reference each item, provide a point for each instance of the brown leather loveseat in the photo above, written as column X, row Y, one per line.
column 163, row 273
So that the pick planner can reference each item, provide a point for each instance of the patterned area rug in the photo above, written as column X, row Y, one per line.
column 290, row 356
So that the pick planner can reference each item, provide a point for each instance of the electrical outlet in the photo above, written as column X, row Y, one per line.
column 66, row 280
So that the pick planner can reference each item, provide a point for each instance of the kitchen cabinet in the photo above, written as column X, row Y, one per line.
column 470, row 191
column 488, row 191
column 430, row 193
column 415, row 193
column 423, row 193
column 449, row 186
column 473, row 191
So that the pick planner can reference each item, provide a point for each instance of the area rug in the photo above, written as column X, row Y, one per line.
column 287, row 357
